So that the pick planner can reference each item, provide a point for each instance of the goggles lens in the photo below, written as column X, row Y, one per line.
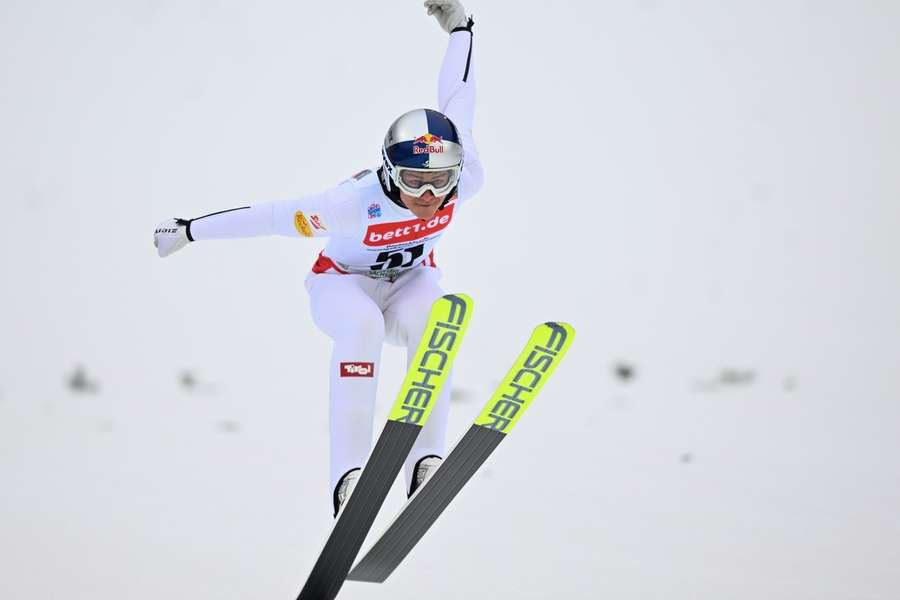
column 416, row 182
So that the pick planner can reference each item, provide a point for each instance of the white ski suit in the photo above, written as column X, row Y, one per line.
column 376, row 278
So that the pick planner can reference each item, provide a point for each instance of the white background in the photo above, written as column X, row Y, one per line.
column 693, row 185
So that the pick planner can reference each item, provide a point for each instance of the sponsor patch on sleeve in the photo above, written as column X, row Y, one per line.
column 316, row 221
column 302, row 225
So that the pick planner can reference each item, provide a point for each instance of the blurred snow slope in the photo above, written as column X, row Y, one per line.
column 692, row 187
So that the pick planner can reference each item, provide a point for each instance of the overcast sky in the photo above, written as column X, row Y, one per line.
column 695, row 186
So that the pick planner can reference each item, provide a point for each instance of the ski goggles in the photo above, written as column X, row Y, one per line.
column 416, row 182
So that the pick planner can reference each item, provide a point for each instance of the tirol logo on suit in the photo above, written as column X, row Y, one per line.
column 357, row 369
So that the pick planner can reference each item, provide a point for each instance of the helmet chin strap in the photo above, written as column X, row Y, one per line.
column 389, row 190
column 450, row 195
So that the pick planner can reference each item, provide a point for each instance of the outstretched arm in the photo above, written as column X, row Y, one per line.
column 319, row 215
column 456, row 87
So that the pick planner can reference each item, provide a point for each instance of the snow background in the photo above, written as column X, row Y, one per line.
column 694, row 186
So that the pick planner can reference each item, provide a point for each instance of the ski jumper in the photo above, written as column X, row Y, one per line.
column 376, row 278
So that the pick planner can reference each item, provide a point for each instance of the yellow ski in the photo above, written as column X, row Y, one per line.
column 531, row 370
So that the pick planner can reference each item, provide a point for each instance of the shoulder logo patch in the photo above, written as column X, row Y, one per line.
column 317, row 222
column 302, row 225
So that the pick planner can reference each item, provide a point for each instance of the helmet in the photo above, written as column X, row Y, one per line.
column 422, row 151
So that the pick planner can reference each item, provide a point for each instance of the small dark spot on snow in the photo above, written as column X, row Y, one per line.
column 79, row 382
column 461, row 395
column 624, row 371
column 726, row 377
column 187, row 380
column 229, row 426
column 730, row 376
column 193, row 384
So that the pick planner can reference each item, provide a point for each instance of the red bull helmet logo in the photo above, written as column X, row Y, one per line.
column 428, row 144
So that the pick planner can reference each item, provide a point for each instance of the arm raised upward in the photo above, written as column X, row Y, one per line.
column 456, row 87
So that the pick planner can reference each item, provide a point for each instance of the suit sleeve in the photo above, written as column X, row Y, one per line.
column 330, row 213
column 456, row 99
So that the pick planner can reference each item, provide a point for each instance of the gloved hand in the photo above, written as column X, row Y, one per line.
column 449, row 13
column 170, row 236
